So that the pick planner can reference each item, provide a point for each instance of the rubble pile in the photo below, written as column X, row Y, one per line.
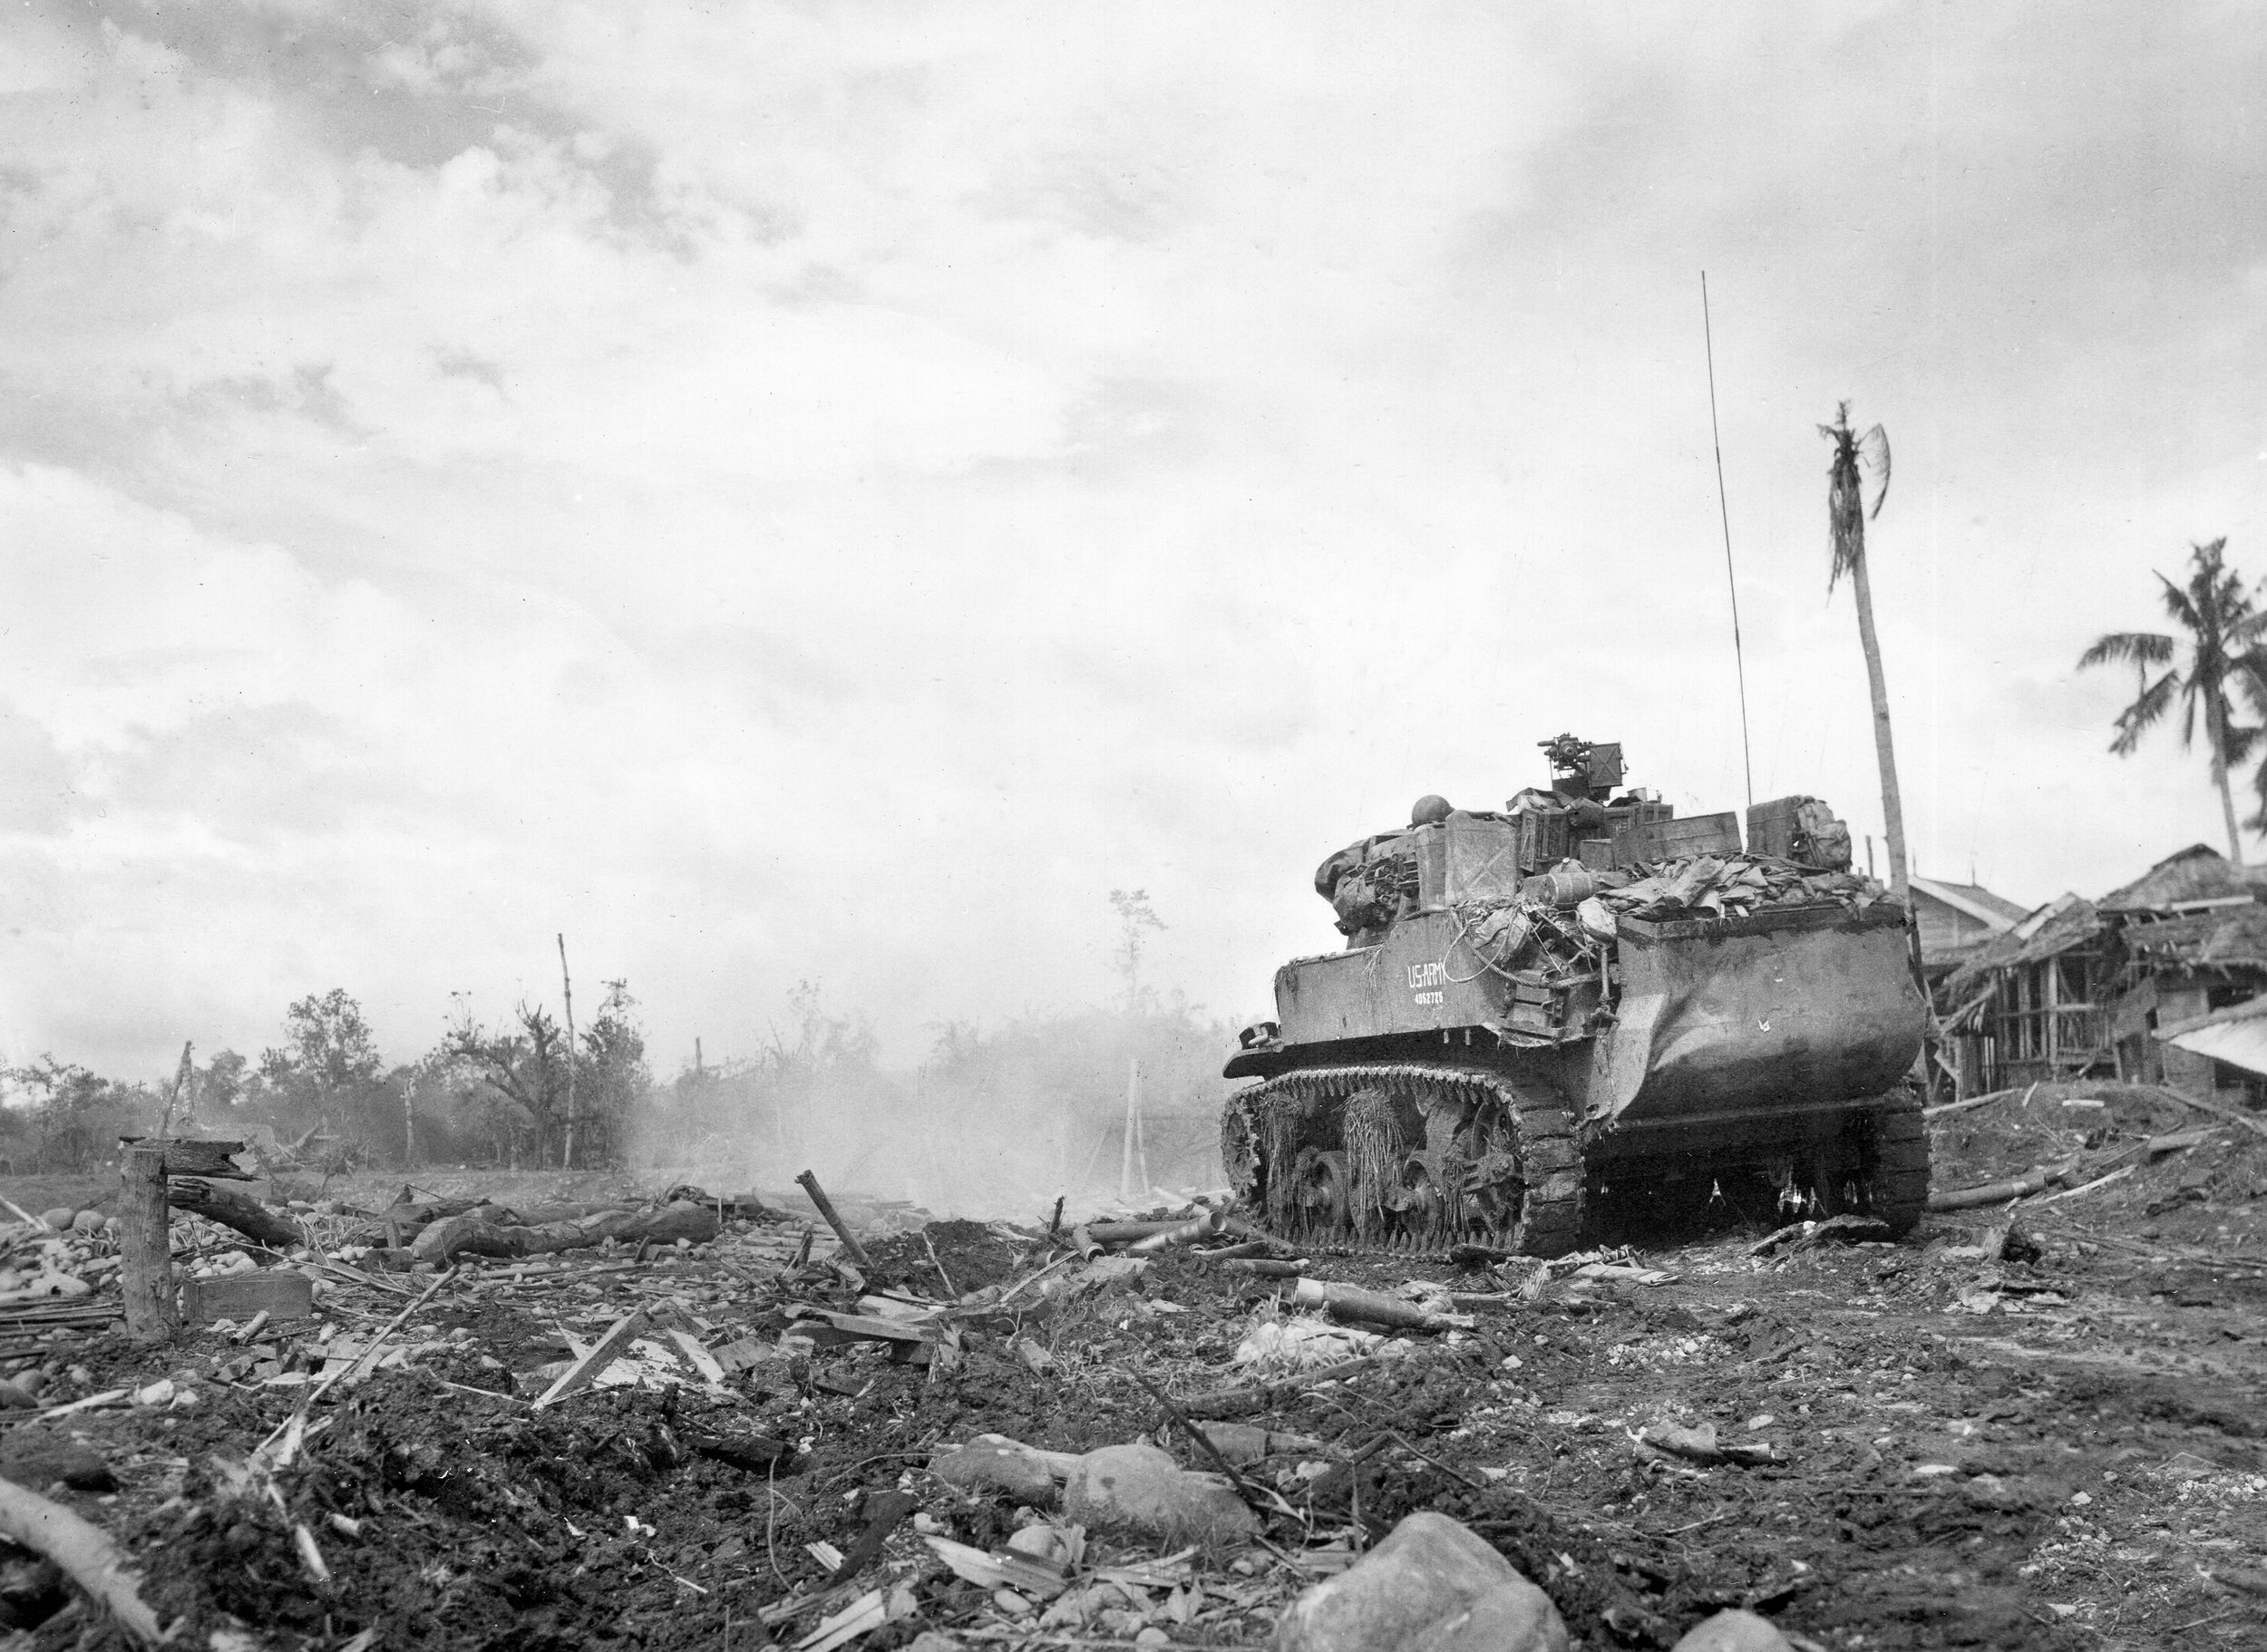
column 703, row 1424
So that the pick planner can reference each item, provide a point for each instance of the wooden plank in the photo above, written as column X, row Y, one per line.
column 603, row 1353
column 861, row 1328
column 188, row 1157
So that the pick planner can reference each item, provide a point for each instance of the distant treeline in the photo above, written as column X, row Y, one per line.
column 1040, row 1103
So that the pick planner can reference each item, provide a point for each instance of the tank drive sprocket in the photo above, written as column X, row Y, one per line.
column 1409, row 1158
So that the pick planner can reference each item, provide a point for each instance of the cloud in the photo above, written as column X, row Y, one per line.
column 783, row 493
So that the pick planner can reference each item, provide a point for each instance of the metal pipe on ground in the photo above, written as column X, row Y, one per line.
column 809, row 1183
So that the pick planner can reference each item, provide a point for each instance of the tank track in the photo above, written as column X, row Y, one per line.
column 1406, row 1160
column 1882, row 1168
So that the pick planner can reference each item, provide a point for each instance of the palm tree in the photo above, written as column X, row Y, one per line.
column 1845, row 521
column 2224, row 636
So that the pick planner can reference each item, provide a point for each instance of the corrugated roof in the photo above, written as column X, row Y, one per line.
column 1979, row 902
column 2198, row 873
column 2240, row 1044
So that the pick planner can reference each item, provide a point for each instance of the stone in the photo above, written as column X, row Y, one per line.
column 1051, row 1544
column 1734, row 1631
column 932, row 1640
column 1512, row 1617
column 1013, row 1473
column 1431, row 1574
column 87, row 1221
column 1140, row 1488
column 59, row 1218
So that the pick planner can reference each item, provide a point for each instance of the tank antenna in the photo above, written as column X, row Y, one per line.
column 1739, row 658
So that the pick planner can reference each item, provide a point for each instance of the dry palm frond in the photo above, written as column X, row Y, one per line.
column 1846, row 514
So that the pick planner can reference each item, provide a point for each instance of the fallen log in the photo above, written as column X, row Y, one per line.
column 1999, row 1192
column 398, row 1223
column 83, row 1551
column 2157, row 1147
column 1350, row 1302
column 1942, row 1108
column 487, row 1231
column 248, row 1216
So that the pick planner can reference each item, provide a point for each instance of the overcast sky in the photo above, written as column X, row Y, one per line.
column 785, row 491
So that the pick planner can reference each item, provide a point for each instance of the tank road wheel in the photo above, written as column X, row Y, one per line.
column 1322, row 1192
column 1375, row 1143
column 1409, row 1154
column 1239, row 1154
column 1416, row 1202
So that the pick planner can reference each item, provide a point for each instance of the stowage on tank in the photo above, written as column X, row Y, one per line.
column 1582, row 1001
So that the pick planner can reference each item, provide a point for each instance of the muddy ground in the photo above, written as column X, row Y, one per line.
column 2056, row 1443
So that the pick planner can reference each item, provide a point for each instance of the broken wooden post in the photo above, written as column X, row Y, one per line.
column 808, row 1183
column 144, row 1245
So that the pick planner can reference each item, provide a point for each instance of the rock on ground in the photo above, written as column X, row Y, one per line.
column 1016, row 1473
column 1433, row 1583
column 1143, row 1488
column 1734, row 1631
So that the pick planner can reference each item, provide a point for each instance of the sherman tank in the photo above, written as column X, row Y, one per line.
column 1577, row 1004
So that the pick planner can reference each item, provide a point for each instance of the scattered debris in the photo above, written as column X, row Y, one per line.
column 990, row 1433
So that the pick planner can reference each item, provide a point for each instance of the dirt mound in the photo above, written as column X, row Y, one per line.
column 973, row 1255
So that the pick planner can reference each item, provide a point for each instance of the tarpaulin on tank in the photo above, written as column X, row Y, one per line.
column 1364, row 882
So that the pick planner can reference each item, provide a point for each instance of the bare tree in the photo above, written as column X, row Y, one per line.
column 1134, row 917
column 1846, row 517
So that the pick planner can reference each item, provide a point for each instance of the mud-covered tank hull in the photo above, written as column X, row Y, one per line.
column 1726, row 1025
column 1417, row 1096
